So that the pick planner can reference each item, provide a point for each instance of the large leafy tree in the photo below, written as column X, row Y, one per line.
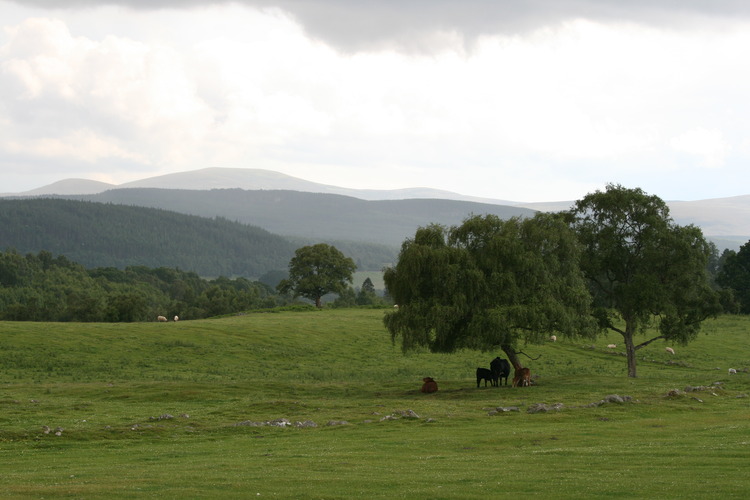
column 643, row 269
column 317, row 270
column 488, row 283
column 735, row 275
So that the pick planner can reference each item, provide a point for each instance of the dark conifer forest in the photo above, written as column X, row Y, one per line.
column 108, row 235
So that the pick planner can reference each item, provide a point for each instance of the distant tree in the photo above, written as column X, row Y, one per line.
column 367, row 295
column 346, row 298
column 317, row 270
column 367, row 286
column 642, row 268
column 273, row 278
column 486, row 284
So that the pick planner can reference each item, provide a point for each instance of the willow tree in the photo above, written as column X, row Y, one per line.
column 643, row 269
column 488, row 283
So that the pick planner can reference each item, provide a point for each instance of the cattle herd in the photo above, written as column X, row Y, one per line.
column 499, row 369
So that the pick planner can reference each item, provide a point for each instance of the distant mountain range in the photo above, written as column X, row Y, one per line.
column 248, row 179
column 290, row 206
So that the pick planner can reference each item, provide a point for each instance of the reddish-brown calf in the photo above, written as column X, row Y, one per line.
column 429, row 385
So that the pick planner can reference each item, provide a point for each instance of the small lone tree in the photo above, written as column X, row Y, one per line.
column 642, row 268
column 367, row 295
column 488, row 283
column 317, row 270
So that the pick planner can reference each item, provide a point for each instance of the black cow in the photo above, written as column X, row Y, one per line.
column 484, row 373
column 500, row 369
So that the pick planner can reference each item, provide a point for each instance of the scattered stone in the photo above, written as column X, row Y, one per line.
column 741, row 395
column 46, row 429
column 505, row 409
column 543, row 408
column 615, row 398
column 279, row 422
column 184, row 415
column 166, row 416
column 305, row 424
column 247, row 423
column 388, row 417
column 408, row 414
column 430, row 420
column 697, row 399
column 332, row 423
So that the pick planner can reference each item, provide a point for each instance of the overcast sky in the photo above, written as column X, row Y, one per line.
column 540, row 100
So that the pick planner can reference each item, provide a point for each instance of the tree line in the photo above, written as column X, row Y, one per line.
column 44, row 287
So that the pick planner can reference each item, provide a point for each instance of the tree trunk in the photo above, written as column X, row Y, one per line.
column 318, row 302
column 512, row 356
column 630, row 349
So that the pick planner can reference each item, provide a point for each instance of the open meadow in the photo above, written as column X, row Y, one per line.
column 181, row 410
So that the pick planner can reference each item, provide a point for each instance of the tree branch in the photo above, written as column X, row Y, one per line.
column 644, row 344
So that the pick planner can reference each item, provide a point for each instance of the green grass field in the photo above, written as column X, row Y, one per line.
column 166, row 410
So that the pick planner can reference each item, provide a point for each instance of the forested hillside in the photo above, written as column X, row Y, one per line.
column 109, row 235
column 314, row 216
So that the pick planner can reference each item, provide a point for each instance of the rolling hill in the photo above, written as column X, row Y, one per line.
column 108, row 235
column 307, row 210
column 311, row 216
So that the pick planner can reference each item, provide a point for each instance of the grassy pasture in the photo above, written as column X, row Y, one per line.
column 113, row 387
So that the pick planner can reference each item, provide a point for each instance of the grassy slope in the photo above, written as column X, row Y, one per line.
column 103, row 383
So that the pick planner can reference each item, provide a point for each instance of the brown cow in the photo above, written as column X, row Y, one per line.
column 429, row 385
column 522, row 377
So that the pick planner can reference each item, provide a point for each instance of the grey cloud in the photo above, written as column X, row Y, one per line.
column 355, row 24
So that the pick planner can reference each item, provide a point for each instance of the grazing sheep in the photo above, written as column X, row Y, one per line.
column 553, row 338
column 732, row 371
column 161, row 318
column 669, row 350
column 395, row 306
column 176, row 319
column 612, row 346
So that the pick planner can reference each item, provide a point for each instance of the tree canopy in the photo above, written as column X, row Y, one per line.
column 642, row 268
column 43, row 287
column 488, row 283
column 317, row 270
column 735, row 275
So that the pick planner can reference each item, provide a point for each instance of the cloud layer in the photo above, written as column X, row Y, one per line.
column 541, row 103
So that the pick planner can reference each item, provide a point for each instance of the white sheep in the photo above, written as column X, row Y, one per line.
column 176, row 319
column 732, row 371
column 161, row 318
column 669, row 350
column 611, row 346
column 553, row 338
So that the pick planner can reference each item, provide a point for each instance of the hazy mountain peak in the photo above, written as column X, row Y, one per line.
column 67, row 187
